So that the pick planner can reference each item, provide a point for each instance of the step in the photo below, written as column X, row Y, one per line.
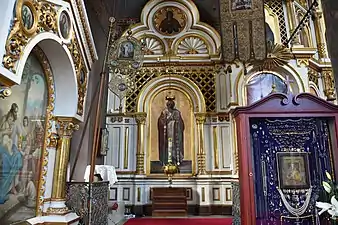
column 171, row 212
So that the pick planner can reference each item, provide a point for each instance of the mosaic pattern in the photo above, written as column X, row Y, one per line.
column 203, row 78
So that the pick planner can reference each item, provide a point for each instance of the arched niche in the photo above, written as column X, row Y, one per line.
column 188, row 101
column 167, row 82
column 296, row 83
column 272, row 20
column 26, row 119
column 62, row 66
column 305, row 36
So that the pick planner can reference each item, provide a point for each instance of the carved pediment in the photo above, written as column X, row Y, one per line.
column 172, row 31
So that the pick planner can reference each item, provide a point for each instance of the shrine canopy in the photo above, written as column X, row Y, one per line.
column 281, row 106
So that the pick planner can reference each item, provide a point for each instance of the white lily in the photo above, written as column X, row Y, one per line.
column 332, row 208
column 327, row 186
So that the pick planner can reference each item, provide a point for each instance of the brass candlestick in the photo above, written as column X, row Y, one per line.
column 169, row 170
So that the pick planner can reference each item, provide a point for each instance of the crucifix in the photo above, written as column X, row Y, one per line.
column 288, row 84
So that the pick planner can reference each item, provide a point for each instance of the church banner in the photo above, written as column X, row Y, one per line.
column 243, row 30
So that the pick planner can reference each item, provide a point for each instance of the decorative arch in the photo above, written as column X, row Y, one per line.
column 313, row 89
column 64, row 73
column 165, row 82
column 193, row 41
column 41, row 132
column 305, row 34
column 272, row 20
column 242, row 80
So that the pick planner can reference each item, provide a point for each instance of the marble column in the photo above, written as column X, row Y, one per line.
column 65, row 128
column 141, row 121
column 292, row 20
column 200, row 120
column 320, row 39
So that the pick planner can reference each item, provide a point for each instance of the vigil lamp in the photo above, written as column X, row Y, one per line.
column 170, row 169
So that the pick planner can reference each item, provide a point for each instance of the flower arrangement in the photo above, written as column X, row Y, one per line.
column 331, row 206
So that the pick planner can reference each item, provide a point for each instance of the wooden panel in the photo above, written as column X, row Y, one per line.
column 169, row 202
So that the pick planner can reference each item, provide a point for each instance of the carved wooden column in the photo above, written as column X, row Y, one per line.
column 65, row 127
column 292, row 20
column 200, row 120
column 329, row 85
column 141, row 121
column 322, row 52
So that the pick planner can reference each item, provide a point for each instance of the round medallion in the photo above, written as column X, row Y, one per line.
column 27, row 17
column 169, row 20
column 64, row 25
column 122, row 87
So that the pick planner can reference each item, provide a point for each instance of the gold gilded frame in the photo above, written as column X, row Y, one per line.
column 48, row 125
column 70, row 35
column 30, row 5
column 192, row 138
column 44, row 63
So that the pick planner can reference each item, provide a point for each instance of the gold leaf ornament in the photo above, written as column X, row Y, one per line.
column 277, row 56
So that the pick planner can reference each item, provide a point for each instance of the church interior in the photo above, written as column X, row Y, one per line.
column 168, row 112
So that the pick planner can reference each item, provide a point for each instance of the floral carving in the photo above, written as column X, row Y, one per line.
column 153, row 46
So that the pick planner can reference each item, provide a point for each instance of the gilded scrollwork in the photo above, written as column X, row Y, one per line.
column 329, row 84
column 140, row 118
column 49, row 120
column 66, row 127
column 44, row 19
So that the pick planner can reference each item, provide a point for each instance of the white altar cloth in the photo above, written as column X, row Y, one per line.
column 108, row 173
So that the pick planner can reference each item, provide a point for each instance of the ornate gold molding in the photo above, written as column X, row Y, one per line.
column 45, row 19
column 141, row 121
column 48, row 126
column 5, row 92
column 329, row 85
column 66, row 126
column 321, row 46
column 140, row 118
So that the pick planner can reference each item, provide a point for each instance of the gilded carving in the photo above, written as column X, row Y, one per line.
column 81, row 74
column 66, row 127
column 302, row 62
column 313, row 76
column 49, row 116
column 47, row 17
column 141, row 118
column 200, row 118
column 329, row 84
column 33, row 17
column 57, row 211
